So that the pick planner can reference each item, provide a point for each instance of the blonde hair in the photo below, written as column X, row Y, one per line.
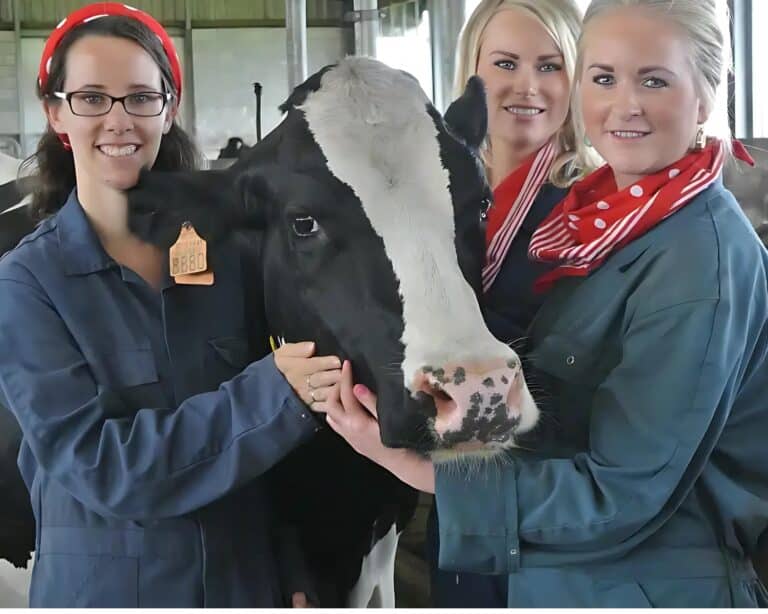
column 706, row 24
column 562, row 21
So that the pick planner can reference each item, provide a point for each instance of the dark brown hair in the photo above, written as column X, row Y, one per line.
column 52, row 163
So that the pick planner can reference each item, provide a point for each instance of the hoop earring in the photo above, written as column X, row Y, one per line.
column 701, row 139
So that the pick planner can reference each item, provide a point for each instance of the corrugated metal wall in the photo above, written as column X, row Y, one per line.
column 47, row 13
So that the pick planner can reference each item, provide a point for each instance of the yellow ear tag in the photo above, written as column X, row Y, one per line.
column 276, row 342
column 188, row 258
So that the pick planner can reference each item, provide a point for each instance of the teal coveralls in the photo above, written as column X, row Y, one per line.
column 647, row 482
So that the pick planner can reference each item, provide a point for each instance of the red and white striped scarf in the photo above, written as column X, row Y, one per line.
column 595, row 219
column 512, row 200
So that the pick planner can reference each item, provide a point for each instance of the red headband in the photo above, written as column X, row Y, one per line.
column 104, row 9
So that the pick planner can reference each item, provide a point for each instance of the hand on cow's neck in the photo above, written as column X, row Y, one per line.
column 107, row 210
column 503, row 157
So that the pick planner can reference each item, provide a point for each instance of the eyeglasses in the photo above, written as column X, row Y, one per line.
column 93, row 104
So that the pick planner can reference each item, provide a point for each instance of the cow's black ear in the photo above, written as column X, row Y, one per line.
column 300, row 92
column 161, row 201
column 254, row 190
column 468, row 115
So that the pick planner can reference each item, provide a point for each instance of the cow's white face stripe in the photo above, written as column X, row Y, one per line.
column 404, row 191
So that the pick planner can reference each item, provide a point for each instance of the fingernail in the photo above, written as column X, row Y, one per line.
column 361, row 391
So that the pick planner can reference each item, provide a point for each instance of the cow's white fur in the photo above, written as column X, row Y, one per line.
column 9, row 170
column 358, row 117
column 375, row 587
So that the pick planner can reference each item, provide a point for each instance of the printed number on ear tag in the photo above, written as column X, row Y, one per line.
column 188, row 258
column 189, row 255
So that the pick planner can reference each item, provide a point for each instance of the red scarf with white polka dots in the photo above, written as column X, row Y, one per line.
column 595, row 219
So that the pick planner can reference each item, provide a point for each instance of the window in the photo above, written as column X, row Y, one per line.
column 759, row 74
column 228, row 61
column 404, row 42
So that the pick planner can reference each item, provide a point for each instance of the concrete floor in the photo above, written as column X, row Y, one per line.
column 14, row 584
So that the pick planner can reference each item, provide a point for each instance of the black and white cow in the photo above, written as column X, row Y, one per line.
column 367, row 208
column 15, row 221
column 17, row 526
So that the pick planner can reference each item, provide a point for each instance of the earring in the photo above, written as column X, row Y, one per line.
column 701, row 139
column 587, row 142
column 64, row 138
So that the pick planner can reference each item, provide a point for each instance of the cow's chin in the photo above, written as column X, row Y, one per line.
column 471, row 452
column 471, row 449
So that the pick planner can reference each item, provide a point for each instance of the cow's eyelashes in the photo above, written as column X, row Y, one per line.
column 305, row 226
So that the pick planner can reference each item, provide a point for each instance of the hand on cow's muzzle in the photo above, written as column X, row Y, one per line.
column 351, row 412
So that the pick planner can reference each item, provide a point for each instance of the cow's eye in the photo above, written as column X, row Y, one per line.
column 305, row 226
column 485, row 205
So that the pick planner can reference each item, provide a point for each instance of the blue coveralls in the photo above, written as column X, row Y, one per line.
column 146, row 426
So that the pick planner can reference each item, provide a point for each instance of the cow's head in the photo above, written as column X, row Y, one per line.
column 370, row 206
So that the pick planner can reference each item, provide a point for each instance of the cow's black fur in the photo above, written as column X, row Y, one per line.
column 16, row 223
column 17, row 524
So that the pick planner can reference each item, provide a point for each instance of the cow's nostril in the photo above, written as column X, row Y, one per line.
column 426, row 404
column 440, row 395
column 475, row 402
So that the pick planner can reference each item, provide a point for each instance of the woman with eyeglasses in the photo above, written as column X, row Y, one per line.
column 148, row 426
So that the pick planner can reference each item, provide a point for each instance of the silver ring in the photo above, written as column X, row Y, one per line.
column 310, row 387
column 312, row 396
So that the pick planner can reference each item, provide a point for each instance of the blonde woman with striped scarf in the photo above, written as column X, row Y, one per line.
column 525, row 53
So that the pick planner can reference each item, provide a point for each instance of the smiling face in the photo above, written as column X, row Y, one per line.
column 525, row 78
column 638, row 94
column 110, row 149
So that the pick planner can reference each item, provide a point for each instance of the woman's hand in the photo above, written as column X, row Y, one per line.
column 355, row 419
column 311, row 377
column 299, row 600
column 351, row 412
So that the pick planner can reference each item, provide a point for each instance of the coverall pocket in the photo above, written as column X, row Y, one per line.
column 627, row 594
column 226, row 357
column 567, row 359
column 234, row 350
